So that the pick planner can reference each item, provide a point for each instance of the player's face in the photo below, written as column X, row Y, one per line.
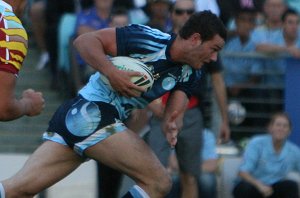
column 280, row 128
column 205, row 52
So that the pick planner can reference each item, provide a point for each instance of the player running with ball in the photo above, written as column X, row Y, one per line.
column 90, row 126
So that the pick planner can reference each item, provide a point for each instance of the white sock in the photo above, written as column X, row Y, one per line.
column 140, row 191
column 2, row 193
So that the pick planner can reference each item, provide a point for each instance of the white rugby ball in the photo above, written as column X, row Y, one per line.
column 130, row 64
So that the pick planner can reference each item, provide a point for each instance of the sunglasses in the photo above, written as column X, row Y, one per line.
column 179, row 11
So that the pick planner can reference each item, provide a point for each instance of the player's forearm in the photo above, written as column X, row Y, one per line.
column 269, row 48
column 14, row 109
column 93, row 50
column 177, row 102
column 221, row 96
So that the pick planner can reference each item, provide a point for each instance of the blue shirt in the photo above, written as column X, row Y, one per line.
column 209, row 146
column 151, row 47
column 263, row 163
column 238, row 70
column 274, row 68
column 89, row 18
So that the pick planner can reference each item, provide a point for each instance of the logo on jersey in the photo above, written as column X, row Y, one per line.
column 186, row 73
column 168, row 83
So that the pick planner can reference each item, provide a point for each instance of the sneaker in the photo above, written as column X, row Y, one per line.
column 44, row 58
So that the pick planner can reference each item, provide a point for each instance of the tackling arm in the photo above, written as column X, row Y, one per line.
column 220, row 91
column 173, row 116
column 30, row 104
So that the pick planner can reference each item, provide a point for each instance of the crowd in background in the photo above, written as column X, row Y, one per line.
column 257, row 30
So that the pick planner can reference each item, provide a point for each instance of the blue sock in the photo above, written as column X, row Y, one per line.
column 136, row 192
column 2, row 193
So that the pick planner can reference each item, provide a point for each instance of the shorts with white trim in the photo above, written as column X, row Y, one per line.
column 80, row 124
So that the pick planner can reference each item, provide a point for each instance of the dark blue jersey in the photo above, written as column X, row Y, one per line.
column 151, row 47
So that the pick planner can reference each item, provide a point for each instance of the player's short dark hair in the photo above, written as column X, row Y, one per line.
column 206, row 24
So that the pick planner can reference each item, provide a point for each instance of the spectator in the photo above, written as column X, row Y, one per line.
column 54, row 10
column 270, row 33
column 288, row 43
column 134, row 8
column 266, row 162
column 241, row 73
column 93, row 18
column 37, row 17
column 208, row 167
column 159, row 14
column 13, row 50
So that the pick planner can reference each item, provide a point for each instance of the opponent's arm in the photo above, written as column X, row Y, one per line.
column 31, row 103
column 94, row 47
column 173, row 116
column 220, row 91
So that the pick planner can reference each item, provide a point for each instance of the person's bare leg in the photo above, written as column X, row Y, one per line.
column 47, row 165
column 37, row 16
column 128, row 153
column 189, row 186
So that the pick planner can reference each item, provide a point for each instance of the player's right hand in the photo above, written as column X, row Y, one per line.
column 35, row 102
column 121, row 83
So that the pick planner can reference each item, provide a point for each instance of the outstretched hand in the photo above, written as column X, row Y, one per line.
column 171, row 128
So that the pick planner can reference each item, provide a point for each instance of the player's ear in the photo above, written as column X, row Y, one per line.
column 196, row 38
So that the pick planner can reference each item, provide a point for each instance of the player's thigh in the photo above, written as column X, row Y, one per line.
column 127, row 152
column 47, row 165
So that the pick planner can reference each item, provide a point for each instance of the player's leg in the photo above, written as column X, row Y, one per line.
column 188, row 152
column 127, row 152
column 47, row 165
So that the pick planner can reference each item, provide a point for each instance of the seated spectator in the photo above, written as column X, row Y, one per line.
column 207, row 180
column 267, row 161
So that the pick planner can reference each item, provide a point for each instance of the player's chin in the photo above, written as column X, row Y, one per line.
column 198, row 65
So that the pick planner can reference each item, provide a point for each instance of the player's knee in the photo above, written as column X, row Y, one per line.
column 163, row 184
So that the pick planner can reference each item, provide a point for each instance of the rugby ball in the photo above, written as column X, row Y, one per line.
column 130, row 64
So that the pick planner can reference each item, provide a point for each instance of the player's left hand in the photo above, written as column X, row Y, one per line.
column 224, row 135
column 171, row 128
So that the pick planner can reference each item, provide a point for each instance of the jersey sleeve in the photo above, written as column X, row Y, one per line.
column 189, row 80
column 13, row 42
column 139, row 39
